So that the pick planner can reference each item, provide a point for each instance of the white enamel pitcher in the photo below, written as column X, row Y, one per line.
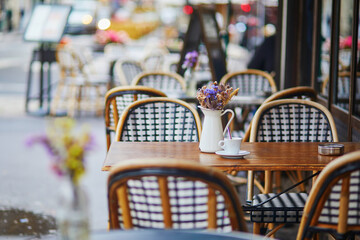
column 212, row 131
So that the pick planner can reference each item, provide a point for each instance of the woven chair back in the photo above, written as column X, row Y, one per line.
column 333, row 204
column 127, row 71
column 293, row 120
column 171, row 193
column 159, row 120
column 251, row 82
column 301, row 92
column 170, row 83
column 117, row 99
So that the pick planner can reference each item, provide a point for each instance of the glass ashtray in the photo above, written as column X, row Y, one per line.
column 331, row 149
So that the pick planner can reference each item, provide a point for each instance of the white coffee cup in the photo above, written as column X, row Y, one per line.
column 231, row 145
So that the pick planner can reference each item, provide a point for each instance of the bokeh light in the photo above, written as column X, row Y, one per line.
column 245, row 7
column 87, row 19
column 104, row 24
column 240, row 27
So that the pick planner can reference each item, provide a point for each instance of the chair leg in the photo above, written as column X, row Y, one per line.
column 72, row 102
column 300, row 178
column 274, row 229
column 99, row 103
column 277, row 187
column 250, row 186
column 56, row 101
column 256, row 228
column 268, row 181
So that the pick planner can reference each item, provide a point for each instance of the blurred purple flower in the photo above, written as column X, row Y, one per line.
column 191, row 59
column 43, row 140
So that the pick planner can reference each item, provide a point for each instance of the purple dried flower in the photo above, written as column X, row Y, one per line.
column 215, row 96
column 191, row 59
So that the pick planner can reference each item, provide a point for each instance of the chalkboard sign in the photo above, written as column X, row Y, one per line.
column 47, row 23
column 203, row 27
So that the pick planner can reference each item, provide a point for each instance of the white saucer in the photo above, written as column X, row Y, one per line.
column 241, row 154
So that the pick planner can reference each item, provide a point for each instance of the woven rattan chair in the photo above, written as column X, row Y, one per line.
column 117, row 99
column 170, row 83
column 159, row 120
column 334, row 200
column 172, row 193
column 251, row 82
column 287, row 120
column 127, row 70
column 301, row 92
column 79, row 87
column 154, row 61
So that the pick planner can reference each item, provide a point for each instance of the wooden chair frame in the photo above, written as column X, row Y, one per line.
column 124, row 116
column 111, row 107
column 161, row 169
column 338, row 169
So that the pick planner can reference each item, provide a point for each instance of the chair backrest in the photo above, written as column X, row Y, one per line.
column 333, row 203
column 159, row 120
column 153, row 62
column 293, row 120
column 117, row 99
column 301, row 92
column 75, row 61
column 343, row 88
column 251, row 82
column 69, row 66
column 172, row 193
column 170, row 83
column 127, row 70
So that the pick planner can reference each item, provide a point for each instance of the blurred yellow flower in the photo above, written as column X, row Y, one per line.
column 66, row 146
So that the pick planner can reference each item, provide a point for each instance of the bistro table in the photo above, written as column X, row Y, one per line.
column 273, row 156
column 157, row 234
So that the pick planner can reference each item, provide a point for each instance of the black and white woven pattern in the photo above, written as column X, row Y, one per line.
column 330, row 211
column 250, row 84
column 130, row 70
column 188, row 202
column 153, row 62
column 123, row 100
column 160, row 122
column 286, row 208
column 295, row 122
column 163, row 82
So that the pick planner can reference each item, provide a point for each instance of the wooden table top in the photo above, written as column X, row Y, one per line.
column 174, row 234
column 263, row 155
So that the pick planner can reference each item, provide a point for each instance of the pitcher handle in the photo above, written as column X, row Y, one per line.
column 228, row 123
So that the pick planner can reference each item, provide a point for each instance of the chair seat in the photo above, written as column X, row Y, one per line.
column 286, row 208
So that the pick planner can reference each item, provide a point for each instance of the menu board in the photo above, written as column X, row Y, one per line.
column 47, row 23
column 203, row 27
